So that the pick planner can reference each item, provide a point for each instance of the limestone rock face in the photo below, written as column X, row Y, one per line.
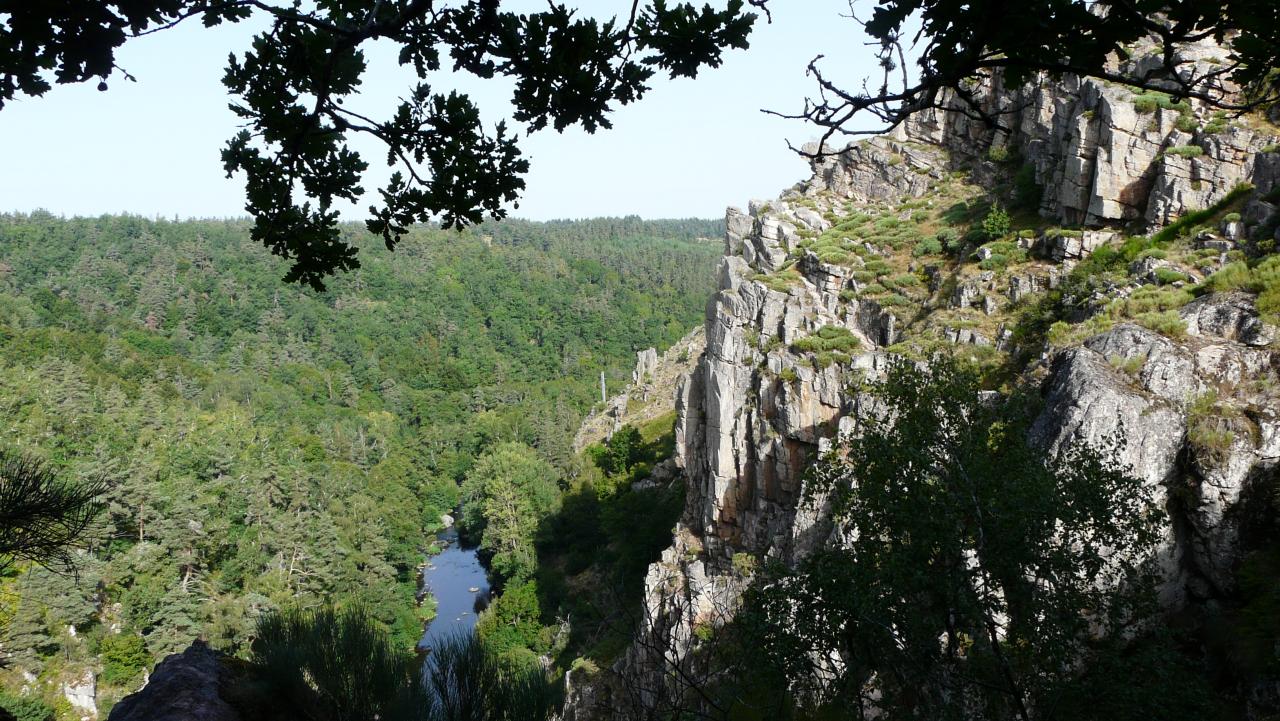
column 1100, row 158
column 1228, row 315
column 881, row 169
column 183, row 687
column 646, row 362
column 752, row 412
column 82, row 694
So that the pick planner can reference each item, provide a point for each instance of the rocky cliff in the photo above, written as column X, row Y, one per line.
column 876, row 254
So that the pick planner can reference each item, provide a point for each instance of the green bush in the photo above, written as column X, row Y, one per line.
column 998, row 154
column 878, row 266
column 1148, row 299
column 1209, row 427
column 903, row 280
column 949, row 239
column 470, row 681
column 928, row 246
column 1149, row 101
column 1185, row 151
column 124, row 656
column 1263, row 279
column 1003, row 252
column 1063, row 233
column 995, row 262
column 828, row 358
column 1218, row 124
column 997, row 223
column 1165, row 276
column 514, row 621
column 780, row 281
column 1167, row 323
column 25, row 708
column 335, row 665
column 1232, row 276
column 887, row 223
column 828, row 338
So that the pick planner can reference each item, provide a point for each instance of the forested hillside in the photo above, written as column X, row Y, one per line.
column 269, row 445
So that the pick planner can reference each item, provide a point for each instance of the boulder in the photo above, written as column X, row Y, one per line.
column 1231, row 316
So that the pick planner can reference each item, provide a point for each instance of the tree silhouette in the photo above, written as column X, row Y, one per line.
column 42, row 517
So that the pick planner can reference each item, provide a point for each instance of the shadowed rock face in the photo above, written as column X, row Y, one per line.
column 183, row 687
column 1149, row 405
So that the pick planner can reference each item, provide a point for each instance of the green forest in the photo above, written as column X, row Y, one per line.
column 268, row 446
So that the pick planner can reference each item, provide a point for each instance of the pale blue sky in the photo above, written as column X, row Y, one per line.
column 689, row 148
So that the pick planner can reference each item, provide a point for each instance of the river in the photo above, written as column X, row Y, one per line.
column 458, row 582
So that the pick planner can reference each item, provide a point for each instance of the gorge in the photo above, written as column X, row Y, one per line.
column 1106, row 255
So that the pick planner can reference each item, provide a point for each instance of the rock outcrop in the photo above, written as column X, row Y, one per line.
column 1139, row 386
column 82, row 694
column 183, row 687
column 649, row 394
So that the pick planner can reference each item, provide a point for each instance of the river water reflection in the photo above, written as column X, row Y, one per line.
column 458, row 582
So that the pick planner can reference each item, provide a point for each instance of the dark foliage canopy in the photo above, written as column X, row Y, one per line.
column 288, row 88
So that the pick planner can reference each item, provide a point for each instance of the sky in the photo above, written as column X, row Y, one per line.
column 688, row 149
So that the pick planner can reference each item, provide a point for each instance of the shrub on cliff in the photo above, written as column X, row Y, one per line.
column 997, row 223
column 333, row 665
column 467, row 680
